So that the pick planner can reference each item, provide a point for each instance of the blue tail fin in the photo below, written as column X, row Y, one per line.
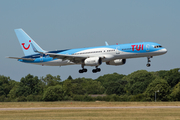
column 26, row 43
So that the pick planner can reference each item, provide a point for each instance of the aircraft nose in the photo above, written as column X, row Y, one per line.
column 164, row 50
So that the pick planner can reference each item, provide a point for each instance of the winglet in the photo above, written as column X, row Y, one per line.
column 106, row 43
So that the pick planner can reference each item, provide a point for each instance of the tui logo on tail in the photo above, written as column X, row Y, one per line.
column 26, row 48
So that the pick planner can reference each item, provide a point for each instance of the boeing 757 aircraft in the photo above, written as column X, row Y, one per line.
column 92, row 56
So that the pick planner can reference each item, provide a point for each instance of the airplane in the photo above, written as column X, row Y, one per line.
column 92, row 56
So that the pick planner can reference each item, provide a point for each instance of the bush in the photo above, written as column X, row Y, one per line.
column 2, row 98
column 99, row 98
column 7, row 99
column 21, row 99
column 66, row 98
column 88, row 98
column 125, row 97
column 38, row 97
column 139, row 97
column 53, row 93
column 78, row 97
column 115, row 97
column 34, row 97
column 107, row 98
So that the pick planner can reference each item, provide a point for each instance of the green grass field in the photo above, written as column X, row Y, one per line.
column 90, row 114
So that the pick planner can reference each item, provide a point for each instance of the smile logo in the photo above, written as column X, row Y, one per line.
column 26, row 48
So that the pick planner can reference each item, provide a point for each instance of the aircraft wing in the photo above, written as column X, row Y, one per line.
column 28, row 59
column 73, row 58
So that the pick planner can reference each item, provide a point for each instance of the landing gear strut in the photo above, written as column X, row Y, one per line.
column 148, row 59
column 83, row 69
column 96, row 70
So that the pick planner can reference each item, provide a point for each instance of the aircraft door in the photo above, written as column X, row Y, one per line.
column 117, row 50
column 41, row 58
column 147, row 47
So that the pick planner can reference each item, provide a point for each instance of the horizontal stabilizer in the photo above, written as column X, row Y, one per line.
column 28, row 59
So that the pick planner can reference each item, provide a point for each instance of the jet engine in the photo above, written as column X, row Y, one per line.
column 116, row 62
column 93, row 61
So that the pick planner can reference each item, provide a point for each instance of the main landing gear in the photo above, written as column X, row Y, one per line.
column 96, row 70
column 85, row 70
column 148, row 59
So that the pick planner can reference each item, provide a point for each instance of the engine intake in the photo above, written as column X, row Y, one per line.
column 116, row 62
column 93, row 61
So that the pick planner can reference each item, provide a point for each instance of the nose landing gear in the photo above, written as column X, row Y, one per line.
column 148, row 64
column 148, row 59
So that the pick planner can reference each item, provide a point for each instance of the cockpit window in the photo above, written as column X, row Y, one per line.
column 157, row 46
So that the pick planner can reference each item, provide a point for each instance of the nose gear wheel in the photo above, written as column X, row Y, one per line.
column 148, row 60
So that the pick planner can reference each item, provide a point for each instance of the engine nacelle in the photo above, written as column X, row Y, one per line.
column 93, row 61
column 116, row 62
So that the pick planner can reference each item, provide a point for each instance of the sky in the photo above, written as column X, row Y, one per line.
column 68, row 24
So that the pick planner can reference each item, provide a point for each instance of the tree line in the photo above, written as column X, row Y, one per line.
column 140, row 85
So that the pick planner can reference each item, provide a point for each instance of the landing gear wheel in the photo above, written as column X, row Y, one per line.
column 148, row 65
column 94, row 70
column 80, row 71
column 84, row 70
column 98, row 69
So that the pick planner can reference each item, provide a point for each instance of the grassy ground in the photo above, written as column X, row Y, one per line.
column 90, row 114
